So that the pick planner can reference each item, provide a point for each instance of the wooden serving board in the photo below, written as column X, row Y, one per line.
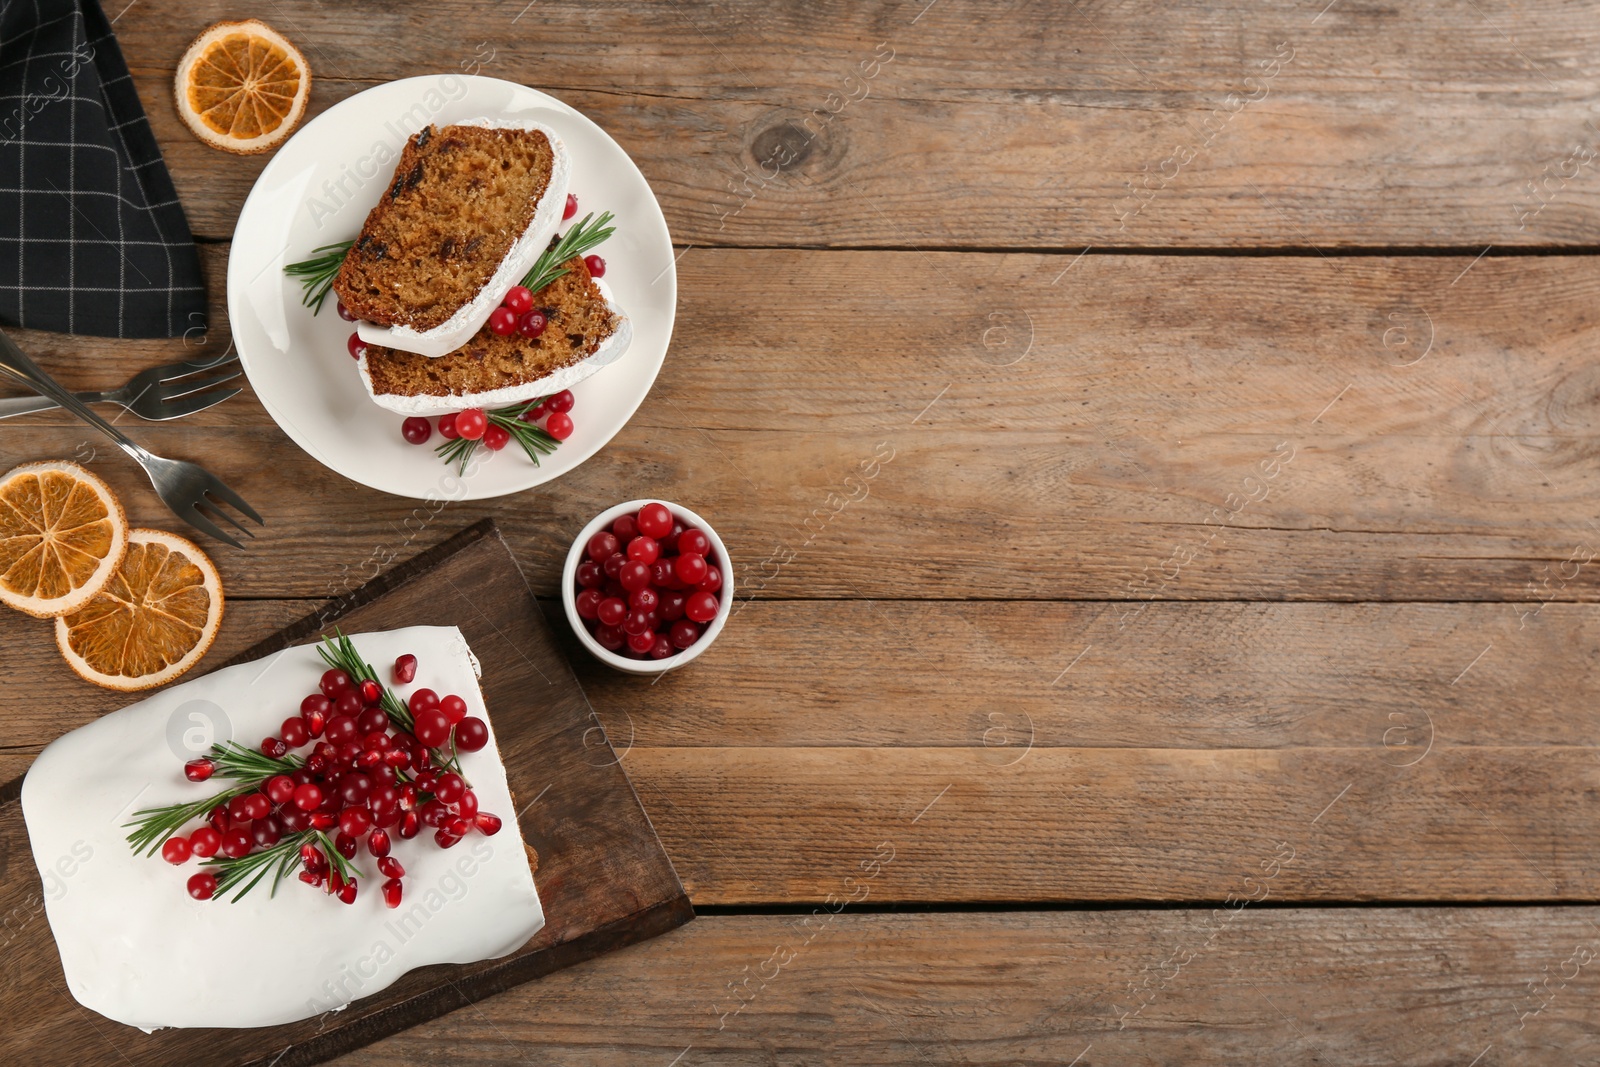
column 603, row 878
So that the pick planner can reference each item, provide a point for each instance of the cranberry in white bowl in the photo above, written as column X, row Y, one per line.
column 673, row 584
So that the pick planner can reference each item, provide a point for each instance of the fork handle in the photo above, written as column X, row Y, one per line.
column 18, row 365
column 27, row 405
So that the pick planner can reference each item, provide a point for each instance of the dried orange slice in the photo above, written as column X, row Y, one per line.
column 154, row 620
column 242, row 87
column 62, row 534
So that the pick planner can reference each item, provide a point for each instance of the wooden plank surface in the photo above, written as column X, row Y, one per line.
column 603, row 879
column 1030, row 752
column 1431, row 987
column 973, row 124
column 1434, row 419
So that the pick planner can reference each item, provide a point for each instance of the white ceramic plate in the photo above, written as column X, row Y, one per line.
column 318, row 189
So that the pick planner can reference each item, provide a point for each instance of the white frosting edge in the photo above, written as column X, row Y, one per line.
column 459, row 327
column 611, row 349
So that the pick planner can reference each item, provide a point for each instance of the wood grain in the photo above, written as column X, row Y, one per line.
column 1002, row 124
column 1365, row 987
column 603, row 880
column 1116, row 452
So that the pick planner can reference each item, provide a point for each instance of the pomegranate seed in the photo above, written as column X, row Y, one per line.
column 378, row 843
column 176, row 850
column 655, row 520
column 204, row 842
column 396, row 757
column 445, row 839
column 274, row 748
column 683, row 633
column 422, row 699
column 489, row 824
column 503, row 321
column 416, row 430
column 405, row 669
column 294, row 731
column 391, row 893
column 345, row 844
column 408, row 797
column 371, row 693
column 390, row 867
column 345, row 313
column 315, row 720
column 334, row 682
column 596, row 265
column 457, row 827
column 347, row 892
column 313, row 859
column 468, row 804
column 219, row 820
column 356, row 346
column 559, row 426
column 564, row 401
column 313, row 880
column 335, row 880
column 198, row 770
column 496, row 437
column 702, row 606
column 472, row 733
column 518, row 298
column 454, row 708
column 572, row 207
column 532, row 323
column 323, row 820
column 447, row 427
column 281, row 789
column 409, row 825
column 236, row 843
column 601, row 546
column 307, row 797
column 202, row 885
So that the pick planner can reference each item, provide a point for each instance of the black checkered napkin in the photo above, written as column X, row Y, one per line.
column 92, row 237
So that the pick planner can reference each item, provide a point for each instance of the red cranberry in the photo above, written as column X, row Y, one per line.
column 267, row 832
column 633, row 575
column 334, row 682
column 655, row 520
column 683, row 633
column 316, row 702
column 625, row 527
column 342, row 728
column 518, row 299
column 294, row 820
column 596, row 265
column 572, row 207
column 198, row 770
column 471, row 423
column 219, row 820
column 175, row 850
column 503, row 321
column 559, row 426
column 372, row 720
column 281, row 789
column 257, row 806
column 587, row 603
column 426, row 781
column 348, row 702
column 307, row 797
column 236, row 843
column 355, row 788
column 202, row 885
column 712, row 581
column 662, row 575
column 204, row 842
column 434, row 813
column 294, row 731
column 669, row 543
column 449, row 787
column 422, row 699
column 590, row 576
column 564, row 402
column 489, row 824
column 601, row 546
column 637, row 622
column 611, row 611
column 641, row 642
column 356, row 346
column 613, row 565
column 355, row 821
column 661, row 648
column 646, row 599
column 532, row 323
column 609, row 638
column 468, row 804
column 693, row 542
column 345, row 313
column 405, row 669
column 236, row 810
column 472, row 733
column 447, row 427
column 432, row 727
column 391, row 893
column 496, row 437
column 644, row 548
column 672, row 605
column 454, row 708
column 702, row 606
column 690, row 569
column 416, row 430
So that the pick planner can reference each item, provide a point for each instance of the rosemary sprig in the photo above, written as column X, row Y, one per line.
column 577, row 241
column 317, row 273
column 534, row 439
column 152, row 826
column 339, row 651
column 277, row 861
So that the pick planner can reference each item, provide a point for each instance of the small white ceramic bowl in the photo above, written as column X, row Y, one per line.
column 569, row 589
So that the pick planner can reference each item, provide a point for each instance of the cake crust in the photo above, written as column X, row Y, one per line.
column 459, row 199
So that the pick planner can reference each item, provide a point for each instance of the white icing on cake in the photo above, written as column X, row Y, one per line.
column 137, row 949
column 459, row 327
column 610, row 350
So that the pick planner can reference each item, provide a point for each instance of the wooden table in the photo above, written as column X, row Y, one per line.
column 1159, row 447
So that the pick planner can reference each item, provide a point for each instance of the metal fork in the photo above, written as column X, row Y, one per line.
column 157, row 394
column 184, row 487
